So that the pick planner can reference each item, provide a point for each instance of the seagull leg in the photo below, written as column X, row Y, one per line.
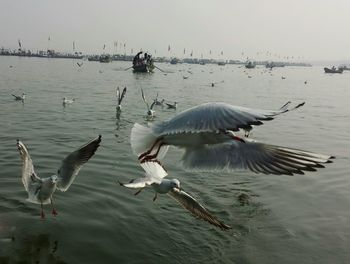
column 138, row 191
column 54, row 212
column 150, row 157
column 155, row 197
column 150, row 150
column 42, row 210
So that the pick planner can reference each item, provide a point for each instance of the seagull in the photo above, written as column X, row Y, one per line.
column 154, row 177
column 120, row 98
column 283, row 78
column 207, row 134
column 68, row 101
column 150, row 112
column 19, row 97
column 80, row 64
column 185, row 77
column 41, row 190
column 157, row 102
column 172, row 106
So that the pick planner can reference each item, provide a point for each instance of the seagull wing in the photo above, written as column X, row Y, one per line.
column 122, row 96
column 29, row 176
column 154, row 174
column 198, row 210
column 117, row 94
column 212, row 117
column 144, row 99
column 16, row 97
column 257, row 157
column 73, row 162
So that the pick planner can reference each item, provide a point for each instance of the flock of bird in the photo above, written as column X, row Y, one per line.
column 208, row 134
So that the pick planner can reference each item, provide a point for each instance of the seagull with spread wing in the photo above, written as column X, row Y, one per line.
column 19, row 97
column 120, row 97
column 150, row 112
column 207, row 134
column 154, row 177
column 41, row 190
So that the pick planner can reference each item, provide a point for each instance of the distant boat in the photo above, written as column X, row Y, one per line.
column 105, row 58
column 333, row 70
column 250, row 65
column 221, row 63
column 174, row 61
column 344, row 68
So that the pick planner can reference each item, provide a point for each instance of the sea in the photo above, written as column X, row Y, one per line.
column 274, row 219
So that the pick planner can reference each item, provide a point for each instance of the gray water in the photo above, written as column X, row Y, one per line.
column 300, row 219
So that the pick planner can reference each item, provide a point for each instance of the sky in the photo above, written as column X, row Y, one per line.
column 258, row 29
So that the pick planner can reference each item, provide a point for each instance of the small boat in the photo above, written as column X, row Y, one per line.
column 143, row 64
column 174, row 61
column 250, row 65
column 344, row 68
column 221, row 63
column 333, row 70
column 105, row 58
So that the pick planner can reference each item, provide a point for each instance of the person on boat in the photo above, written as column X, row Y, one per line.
column 137, row 58
column 333, row 68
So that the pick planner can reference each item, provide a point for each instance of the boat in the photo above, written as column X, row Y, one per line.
column 221, row 63
column 105, row 58
column 250, row 65
column 174, row 61
column 143, row 64
column 333, row 70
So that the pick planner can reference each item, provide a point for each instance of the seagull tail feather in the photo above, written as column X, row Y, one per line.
column 141, row 139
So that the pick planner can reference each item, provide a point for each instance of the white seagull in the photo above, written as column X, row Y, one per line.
column 154, row 177
column 172, row 106
column 67, row 101
column 157, row 102
column 120, row 97
column 150, row 112
column 19, row 97
column 206, row 132
column 41, row 190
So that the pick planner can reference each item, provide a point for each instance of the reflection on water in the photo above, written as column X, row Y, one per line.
column 38, row 249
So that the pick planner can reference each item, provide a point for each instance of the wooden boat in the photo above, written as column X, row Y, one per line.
column 143, row 67
column 333, row 70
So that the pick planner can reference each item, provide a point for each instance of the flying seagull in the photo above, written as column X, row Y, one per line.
column 41, row 190
column 150, row 112
column 172, row 106
column 80, row 64
column 120, row 97
column 19, row 97
column 207, row 134
column 154, row 177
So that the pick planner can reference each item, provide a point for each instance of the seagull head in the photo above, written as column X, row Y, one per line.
column 175, row 183
column 54, row 179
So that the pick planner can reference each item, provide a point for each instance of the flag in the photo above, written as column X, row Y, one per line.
column 210, row 52
column 19, row 43
column 222, row 53
column 124, row 45
column 191, row 53
column 104, row 46
column 169, row 48
column 155, row 51
column 73, row 45
column 132, row 51
column 49, row 38
column 184, row 51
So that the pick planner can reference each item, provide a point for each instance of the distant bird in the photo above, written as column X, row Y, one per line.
column 305, row 82
column 154, row 177
column 283, row 78
column 67, row 101
column 249, row 76
column 150, row 112
column 207, row 134
column 80, row 64
column 120, row 97
column 41, row 190
column 172, row 106
column 19, row 97
column 185, row 77
column 11, row 66
column 190, row 72
column 157, row 102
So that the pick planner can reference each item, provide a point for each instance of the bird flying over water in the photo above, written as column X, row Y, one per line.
column 67, row 101
column 41, row 190
column 155, row 177
column 150, row 112
column 19, row 97
column 207, row 134
column 120, row 97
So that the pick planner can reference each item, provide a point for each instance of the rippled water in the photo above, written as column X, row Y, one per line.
column 300, row 219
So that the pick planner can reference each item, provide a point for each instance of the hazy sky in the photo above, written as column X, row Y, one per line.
column 313, row 29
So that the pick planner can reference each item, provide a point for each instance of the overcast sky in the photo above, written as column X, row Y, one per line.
column 309, row 29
